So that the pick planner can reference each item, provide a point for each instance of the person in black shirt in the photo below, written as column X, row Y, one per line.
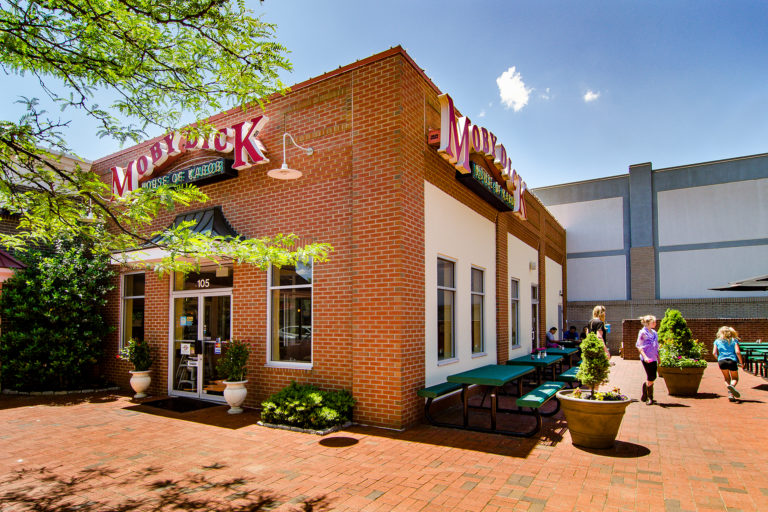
column 597, row 326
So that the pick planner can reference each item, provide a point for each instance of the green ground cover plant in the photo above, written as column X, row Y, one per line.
column 305, row 406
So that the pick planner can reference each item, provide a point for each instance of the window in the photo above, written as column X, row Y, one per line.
column 446, row 295
column 478, row 298
column 290, row 295
column 514, row 312
column 133, row 308
column 534, row 315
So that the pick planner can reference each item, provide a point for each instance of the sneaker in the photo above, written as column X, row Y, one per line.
column 644, row 395
column 732, row 391
column 730, row 397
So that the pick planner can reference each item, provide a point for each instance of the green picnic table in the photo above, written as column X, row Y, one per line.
column 540, row 363
column 567, row 353
column 494, row 376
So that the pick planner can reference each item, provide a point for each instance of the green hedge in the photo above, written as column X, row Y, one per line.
column 53, row 330
column 305, row 406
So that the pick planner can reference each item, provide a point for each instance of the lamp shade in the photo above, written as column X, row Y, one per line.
column 284, row 173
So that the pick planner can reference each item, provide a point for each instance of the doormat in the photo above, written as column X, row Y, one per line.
column 181, row 404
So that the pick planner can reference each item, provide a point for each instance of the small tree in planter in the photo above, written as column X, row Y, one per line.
column 593, row 420
column 681, row 361
column 138, row 354
column 233, row 366
column 595, row 368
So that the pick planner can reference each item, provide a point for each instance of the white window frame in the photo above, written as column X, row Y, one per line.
column 454, row 348
column 472, row 295
column 514, row 319
column 535, row 313
column 288, row 364
column 123, row 298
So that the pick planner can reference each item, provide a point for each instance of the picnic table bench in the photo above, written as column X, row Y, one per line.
column 755, row 356
column 437, row 391
column 569, row 376
column 494, row 377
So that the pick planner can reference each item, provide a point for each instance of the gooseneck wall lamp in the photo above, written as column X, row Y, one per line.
column 285, row 172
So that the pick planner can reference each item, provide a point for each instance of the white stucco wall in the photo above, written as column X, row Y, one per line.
column 690, row 274
column 519, row 257
column 592, row 225
column 554, row 276
column 714, row 213
column 600, row 278
column 457, row 233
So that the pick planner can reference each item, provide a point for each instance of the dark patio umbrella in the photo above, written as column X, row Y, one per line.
column 752, row 284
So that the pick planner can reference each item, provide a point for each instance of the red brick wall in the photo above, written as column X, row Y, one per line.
column 362, row 192
column 703, row 329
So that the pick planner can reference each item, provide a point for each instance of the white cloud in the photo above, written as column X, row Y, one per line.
column 512, row 89
column 546, row 94
column 481, row 114
column 591, row 95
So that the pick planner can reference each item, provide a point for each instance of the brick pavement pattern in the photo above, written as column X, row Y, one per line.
column 104, row 452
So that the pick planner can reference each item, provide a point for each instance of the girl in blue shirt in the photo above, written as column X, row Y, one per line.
column 726, row 349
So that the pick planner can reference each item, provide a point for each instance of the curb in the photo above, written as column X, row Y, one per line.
column 327, row 431
column 59, row 393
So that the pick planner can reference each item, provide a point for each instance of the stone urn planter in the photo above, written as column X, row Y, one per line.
column 681, row 381
column 592, row 423
column 138, row 353
column 234, row 394
column 233, row 365
column 140, row 381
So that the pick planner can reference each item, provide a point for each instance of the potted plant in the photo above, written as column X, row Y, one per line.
column 681, row 364
column 137, row 352
column 233, row 366
column 594, row 418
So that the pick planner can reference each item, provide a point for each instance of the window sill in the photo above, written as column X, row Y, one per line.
column 446, row 362
column 289, row 366
column 479, row 354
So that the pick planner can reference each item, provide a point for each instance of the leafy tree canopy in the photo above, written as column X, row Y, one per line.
column 161, row 62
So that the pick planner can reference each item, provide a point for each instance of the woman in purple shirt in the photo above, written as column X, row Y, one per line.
column 648, row 346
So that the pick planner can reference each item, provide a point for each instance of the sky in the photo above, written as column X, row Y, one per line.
column 574, row 90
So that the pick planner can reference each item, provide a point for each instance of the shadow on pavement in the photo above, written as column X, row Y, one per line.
column 106, row 489
column 215, row 416
column 13, row 401
column 621, row 449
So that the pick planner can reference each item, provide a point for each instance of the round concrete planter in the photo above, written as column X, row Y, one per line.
column 592, row 423
column 234, row 394
column 140, row 381
column 682, row 381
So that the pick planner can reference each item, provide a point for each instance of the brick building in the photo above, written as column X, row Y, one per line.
column 442, row 261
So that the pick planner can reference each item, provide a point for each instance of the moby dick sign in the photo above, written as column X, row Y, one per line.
column 239, row 139
column 459, row 138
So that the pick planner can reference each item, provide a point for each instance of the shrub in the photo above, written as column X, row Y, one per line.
column 53, row 328
column 305, row 406
column 137, row 352
column 233, row 366
column 677, row 348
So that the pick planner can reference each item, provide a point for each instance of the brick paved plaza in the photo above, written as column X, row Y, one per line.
column 103, row 452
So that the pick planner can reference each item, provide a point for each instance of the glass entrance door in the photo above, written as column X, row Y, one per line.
column 201, row 325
